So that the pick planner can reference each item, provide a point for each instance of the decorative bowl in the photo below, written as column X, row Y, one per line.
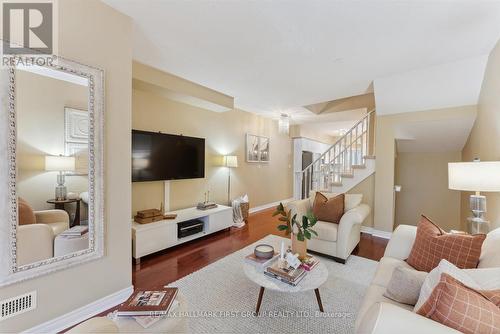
column 264, row 251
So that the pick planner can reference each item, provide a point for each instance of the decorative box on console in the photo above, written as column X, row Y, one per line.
column 156, row 236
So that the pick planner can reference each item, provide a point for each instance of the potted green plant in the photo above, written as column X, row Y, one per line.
column 300, row 232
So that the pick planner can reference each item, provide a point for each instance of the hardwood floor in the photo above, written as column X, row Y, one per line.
column 164, row 267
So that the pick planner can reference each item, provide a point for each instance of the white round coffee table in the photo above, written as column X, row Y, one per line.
column 312, row 281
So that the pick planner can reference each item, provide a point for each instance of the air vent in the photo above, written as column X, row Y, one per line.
column 17, row 305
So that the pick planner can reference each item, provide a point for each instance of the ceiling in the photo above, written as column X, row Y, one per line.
column 436, row 87
column 277, row 56
column 440, row 135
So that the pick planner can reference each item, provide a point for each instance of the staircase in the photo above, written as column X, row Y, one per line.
column 345, row 164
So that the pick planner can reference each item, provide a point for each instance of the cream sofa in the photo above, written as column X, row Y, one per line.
column 335, row 240
column 380, row 315
column 35, row 242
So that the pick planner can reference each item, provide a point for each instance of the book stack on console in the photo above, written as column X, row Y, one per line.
column 289, row 275
column 148, row 216
column 75, row 231
column 206, row 205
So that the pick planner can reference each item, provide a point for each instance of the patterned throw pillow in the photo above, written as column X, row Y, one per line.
column 432, row 245
column 328, row 209
column 464, row 309
column 434, row 276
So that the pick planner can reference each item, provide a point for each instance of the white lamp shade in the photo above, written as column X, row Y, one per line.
column 59, row 163
column 231, row 161
column 474, row 176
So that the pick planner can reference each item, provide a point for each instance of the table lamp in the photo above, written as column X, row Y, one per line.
column 60, row 164
column 230, row 161
column 475, row 176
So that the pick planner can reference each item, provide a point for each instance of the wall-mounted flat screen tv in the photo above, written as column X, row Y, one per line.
column 160, row 157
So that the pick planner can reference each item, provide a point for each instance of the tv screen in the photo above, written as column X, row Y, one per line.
column 160, row 157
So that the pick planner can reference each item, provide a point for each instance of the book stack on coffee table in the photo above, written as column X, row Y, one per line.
column 288, row 275
column 309, row 262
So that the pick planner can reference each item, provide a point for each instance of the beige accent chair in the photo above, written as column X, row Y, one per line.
column 335, row 240
column 35, row 242
column 381, row 315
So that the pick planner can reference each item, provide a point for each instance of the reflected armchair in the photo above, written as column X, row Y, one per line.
column 35, row 238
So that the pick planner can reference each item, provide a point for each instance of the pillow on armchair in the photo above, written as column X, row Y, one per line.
column 328, row 209
column 26, row 216
column 350, row 200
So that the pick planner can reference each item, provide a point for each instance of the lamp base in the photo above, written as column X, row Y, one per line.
column 61, row 193
column 477, row 205
column 478, row 225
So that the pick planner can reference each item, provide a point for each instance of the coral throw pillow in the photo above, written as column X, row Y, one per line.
column 328, row 210
column 462, row 308
column 26, row 215
column 432, row 245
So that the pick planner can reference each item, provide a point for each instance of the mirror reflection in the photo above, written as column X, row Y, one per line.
column 52, row 163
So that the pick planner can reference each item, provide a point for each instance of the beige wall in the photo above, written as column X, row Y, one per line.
column 179, row 89
column 385, row 151
column 40, row 102
column 93, row 33
column 367, row 188
column 424, row 181
column 484, row 140
column 224, row 134
column 297, row 131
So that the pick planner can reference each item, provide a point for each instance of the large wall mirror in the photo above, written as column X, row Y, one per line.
column 51, row 156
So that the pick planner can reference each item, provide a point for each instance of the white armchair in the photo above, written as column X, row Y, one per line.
column 335, row 240
column 57, row 220
column 35, row 242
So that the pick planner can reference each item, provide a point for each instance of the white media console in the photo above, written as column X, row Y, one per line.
column 154, row 237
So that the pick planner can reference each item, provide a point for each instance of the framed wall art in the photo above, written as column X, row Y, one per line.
column 257, row 148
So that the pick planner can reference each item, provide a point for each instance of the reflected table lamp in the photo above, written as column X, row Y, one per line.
column 475, row 176
column 60, row 164
column 230, row 161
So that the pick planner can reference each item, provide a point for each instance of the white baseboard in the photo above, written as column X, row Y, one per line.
column 375, row 232
column 269, row 205
column 76, row 316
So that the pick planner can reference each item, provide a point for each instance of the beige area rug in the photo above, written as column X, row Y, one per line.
column 221, row 299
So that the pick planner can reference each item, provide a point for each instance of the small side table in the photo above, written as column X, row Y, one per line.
column 60, row 206
column 66, row 245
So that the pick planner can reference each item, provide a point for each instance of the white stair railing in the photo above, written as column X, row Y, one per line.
column 339, row 161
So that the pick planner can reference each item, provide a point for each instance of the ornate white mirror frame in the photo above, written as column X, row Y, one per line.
column 10, row 271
